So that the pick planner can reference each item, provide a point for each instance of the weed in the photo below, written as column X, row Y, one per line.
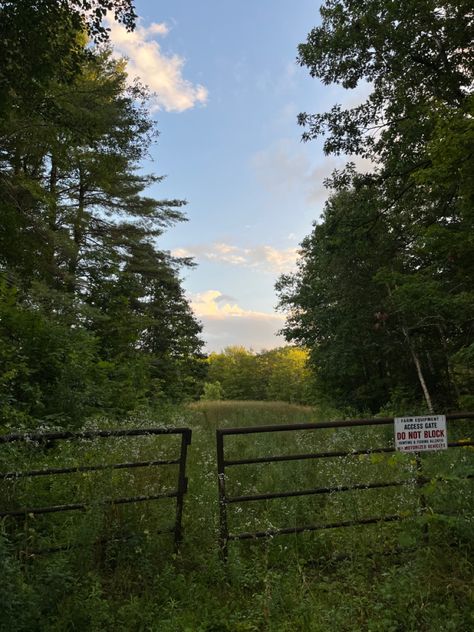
column 119, row 574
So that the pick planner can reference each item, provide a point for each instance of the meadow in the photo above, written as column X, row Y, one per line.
column 117, row 572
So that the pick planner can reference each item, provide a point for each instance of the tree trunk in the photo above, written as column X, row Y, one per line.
column 78, row 234
column 419, row 370
column 52, row 222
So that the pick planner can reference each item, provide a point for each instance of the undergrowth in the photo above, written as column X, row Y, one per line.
column 117, row 573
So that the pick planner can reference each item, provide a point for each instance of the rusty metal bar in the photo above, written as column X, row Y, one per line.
column 182, row 489
column 85, row 468
column 84, row 506
column 302, row 457
column 89, row 434
column 320, row 490
column 321, row 455
column 381, row 421
column 223, row 526
column 246, row 535
column 350, row 423
column 419, row 481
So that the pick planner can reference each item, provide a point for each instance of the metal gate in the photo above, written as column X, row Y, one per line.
column 223, row 463
column 45, row 437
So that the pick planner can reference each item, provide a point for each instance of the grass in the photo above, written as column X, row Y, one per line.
column 284, row 583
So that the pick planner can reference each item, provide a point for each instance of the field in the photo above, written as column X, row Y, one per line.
column 117, row 573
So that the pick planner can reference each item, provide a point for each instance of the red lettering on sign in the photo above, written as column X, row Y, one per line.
column 434, row 433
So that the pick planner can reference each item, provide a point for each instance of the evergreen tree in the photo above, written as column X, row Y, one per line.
column 78, row 241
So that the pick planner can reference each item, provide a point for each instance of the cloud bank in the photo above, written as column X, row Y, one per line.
column 214, row 304
column 162, row 73
column 264, row 258
column 226, row 323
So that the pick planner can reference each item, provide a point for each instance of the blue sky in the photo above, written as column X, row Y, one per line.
column 228, row 91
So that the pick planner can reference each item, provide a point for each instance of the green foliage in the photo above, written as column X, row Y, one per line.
column 285, row 583
column 415, row 56
column 279, row 374
column 383, row 298
column 94, row 317
column 289, row 376
column 48, row 371
column 212, row 391
column 44, row 39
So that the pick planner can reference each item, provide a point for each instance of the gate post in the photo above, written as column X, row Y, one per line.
column 223, row 527
column 182, row 488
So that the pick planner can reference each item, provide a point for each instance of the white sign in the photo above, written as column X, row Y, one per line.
column 418, row 434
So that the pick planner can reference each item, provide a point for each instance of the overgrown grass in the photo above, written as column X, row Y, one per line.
column 285, row 583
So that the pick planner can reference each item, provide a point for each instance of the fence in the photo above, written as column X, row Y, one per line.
column 222, row 463
column 44, row 438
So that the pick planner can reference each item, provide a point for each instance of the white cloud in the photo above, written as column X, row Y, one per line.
column 225, row 323
column 160, row 72
column 278, row 260
column 214, row 304
column 265, row 258
column 158, row 28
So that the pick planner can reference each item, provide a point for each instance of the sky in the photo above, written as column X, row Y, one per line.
column 226, row 94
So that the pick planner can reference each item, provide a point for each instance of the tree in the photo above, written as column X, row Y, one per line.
column 79, row 247
column 212, row 392
column 416, row 56
column 235, row 369
column 44, row 39
column 417, row 61
column 335, row 308
column 279, row 374
column 289, row 378
column 49, row 372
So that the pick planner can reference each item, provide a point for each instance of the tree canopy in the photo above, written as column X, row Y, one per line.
column 93, row 315
column 384, row 294
column 278, row 374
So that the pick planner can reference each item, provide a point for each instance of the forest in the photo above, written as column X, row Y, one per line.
column 383, row 297
column 93, row 315
column 97, row 334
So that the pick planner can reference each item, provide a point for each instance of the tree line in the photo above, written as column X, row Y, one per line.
column 92, row 313
column 384, row 293
column 281, row 374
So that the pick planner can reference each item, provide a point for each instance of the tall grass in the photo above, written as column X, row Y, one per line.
column 295, row 582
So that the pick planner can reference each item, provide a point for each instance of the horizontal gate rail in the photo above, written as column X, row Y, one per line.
column 349, row 423
column 42, row 438
column 336, row 489
column 84, row 506
column 85, row 468
column 322, row 455
column 91, row 434
column 313, row 527
column 223, row 463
